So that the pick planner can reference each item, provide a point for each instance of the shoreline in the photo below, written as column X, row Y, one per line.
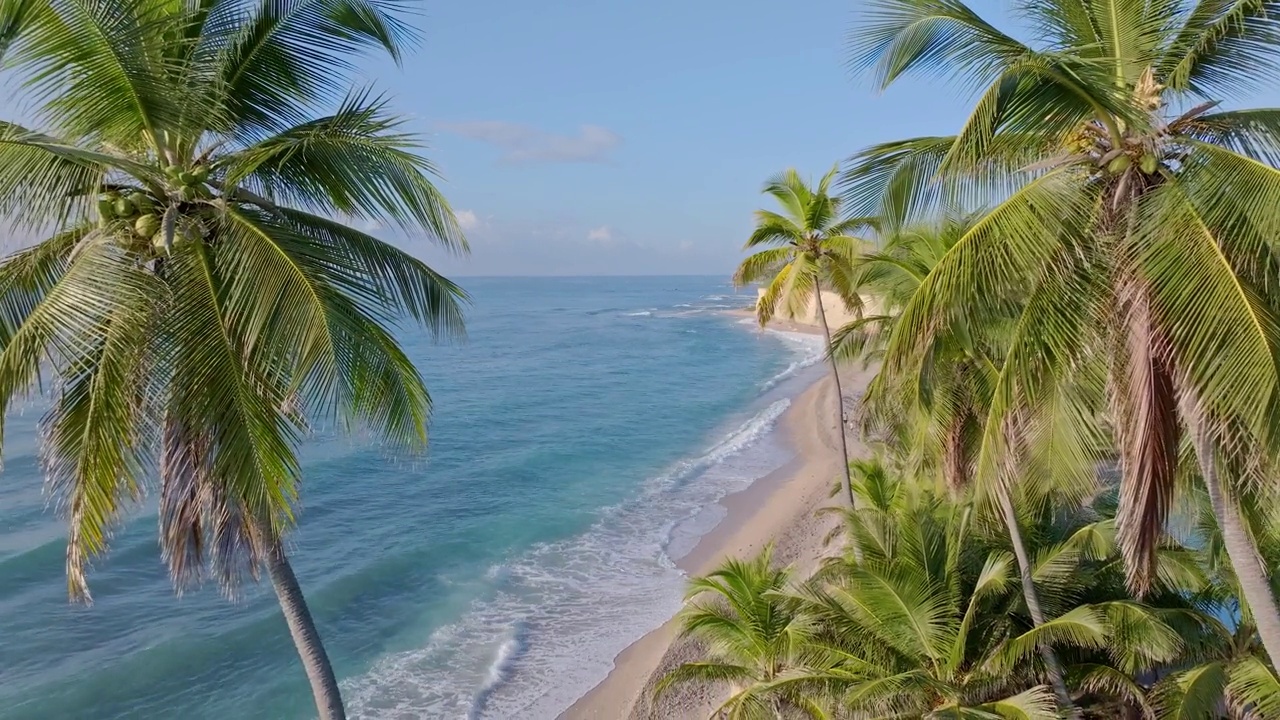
column 779, row 507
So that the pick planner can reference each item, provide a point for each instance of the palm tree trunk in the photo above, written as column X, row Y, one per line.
column 1240, row 549
column 324, row 684
column 1032, row 598
column 835, row 376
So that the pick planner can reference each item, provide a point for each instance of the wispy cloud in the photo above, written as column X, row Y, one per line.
column 526, row 144
column 467, row 220
column 602, row 234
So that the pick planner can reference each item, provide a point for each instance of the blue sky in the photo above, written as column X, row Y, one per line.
column 583, row 137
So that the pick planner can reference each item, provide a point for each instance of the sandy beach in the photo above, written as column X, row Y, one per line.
column 782, row 508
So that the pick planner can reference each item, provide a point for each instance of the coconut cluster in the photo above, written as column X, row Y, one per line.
column 189, row 183
column 145, row 216
column 1147, row 162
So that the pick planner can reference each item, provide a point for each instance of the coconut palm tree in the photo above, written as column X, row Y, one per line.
column 929, row 622
column 196, row 304
column 752, row 633
column 1128, row 216
column 1227, row 673
column 931, row 411
column 799, row 253
column 1230, row 680
column 931, row 618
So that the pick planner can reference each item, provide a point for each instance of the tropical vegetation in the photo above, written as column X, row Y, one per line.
column 928, row 620
column 1074, row 331
column 1126, row 215
column 203, row 296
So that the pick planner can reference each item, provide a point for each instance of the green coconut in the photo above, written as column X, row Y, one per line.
column 124, row 208
column 187, row 178
column 147, row 225
column 142, row 202
column 106, row 208
column 188, row 193
column 201, row 173
column 1149, row 164
column 173, row 171
column 1120, row 164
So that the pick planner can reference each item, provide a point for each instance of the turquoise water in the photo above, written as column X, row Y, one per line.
column 582, row 435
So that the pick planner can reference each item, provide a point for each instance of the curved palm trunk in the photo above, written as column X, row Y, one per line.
column 1243, row 555
column 1032, row 598
column 324, row 684
column 835, row 376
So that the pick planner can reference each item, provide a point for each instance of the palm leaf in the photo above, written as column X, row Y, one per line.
column 942, row 36
column 289, row 55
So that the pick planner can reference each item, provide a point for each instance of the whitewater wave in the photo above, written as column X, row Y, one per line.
column 642, row 313
column 810, row 350
column 503, row 661
column 556, row 615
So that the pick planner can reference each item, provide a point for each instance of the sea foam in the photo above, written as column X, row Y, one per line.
column 808, row 347
column 559, row 613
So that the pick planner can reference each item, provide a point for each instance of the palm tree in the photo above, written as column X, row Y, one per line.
column 1230, row 680
column 1128, row 218
column 931, row 411
column 928, row 623
column 802, row 251
column 753, row 635
column 1227, row 673
column 931, row 619
column 928, row 619
column 195, row 302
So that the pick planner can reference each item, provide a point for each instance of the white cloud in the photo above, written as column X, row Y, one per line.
column 526, row 144
column 602, row 234
column 467, row 220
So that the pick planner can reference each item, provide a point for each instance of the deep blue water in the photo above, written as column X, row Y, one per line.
column 581, row 436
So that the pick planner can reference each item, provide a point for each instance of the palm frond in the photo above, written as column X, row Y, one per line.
column 251, row 437
column 355, row 162
column 896, row 37
column 1106, row 681
column 702, row 672
column 1191, row 694
column 1082, row 627
column 1224, row 48
column 119, row 93
column 96, row 434
column 44, row 182
column 761, row 265
column 1000, row 254
column 351, row 364
column 1254, row 133
column 290, row 55
column 1253, row 687
column 28, row 275
column 376, row 272
column 1035, row 703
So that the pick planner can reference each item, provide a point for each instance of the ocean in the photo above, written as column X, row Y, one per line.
column 581, row 436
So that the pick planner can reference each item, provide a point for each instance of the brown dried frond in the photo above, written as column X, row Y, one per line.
column 1145, row 408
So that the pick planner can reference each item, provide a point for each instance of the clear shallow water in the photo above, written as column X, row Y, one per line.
column 581, row 438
